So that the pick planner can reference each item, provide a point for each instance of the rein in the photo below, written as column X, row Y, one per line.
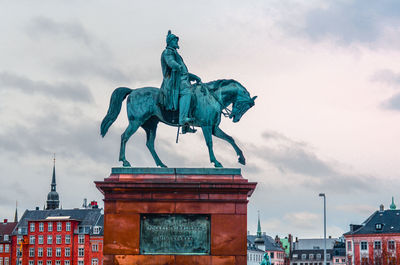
column 225, row 110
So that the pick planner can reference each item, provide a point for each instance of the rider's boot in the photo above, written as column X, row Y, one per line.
column 184, row 120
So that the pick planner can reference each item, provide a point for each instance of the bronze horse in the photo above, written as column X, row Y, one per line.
column 210, row 100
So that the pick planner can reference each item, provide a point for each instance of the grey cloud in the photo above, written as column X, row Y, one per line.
column 387, row 76
column 353, row 21
column 94, row 67
column 61, row 90
column 40, row 26
column 292, row 157
column 393, row 103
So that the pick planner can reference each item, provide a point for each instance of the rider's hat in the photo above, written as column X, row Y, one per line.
column 171, row 36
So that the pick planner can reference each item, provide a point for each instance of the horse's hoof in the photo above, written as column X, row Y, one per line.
column 242, row 160
column 217, row 164
column 126, row 164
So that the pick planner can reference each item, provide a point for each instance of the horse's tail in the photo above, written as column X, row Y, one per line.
column 114, row 109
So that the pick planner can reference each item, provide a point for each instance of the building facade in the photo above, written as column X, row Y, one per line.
column 376, row 240
column 59, row 237
column 6, row 241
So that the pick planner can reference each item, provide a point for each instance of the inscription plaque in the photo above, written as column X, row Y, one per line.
column 175, row 234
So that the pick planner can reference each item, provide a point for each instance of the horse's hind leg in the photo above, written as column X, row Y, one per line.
column 132, row 128
column 208, row 137
column 150, row 126
column 221, row 134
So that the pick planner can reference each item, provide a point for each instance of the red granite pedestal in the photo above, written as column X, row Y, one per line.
column 220, row 193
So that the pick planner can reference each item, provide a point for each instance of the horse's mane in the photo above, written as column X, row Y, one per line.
column 216, row 84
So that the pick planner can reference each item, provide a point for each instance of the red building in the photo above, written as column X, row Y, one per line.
column 6, row 242
column 57, row 236
column 377, row 240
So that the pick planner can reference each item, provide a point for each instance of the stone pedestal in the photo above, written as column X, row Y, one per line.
column 132, row 193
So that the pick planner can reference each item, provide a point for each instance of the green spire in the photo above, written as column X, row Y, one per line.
column 259, row 226
column 393, row 206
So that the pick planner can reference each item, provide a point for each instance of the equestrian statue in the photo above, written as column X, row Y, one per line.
column 179, row 103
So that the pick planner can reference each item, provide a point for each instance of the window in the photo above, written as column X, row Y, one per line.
column 40, row 239
column 49, row 252
column 318, row 256
column 31, row 239
column 58, row 262
column 59, row 226
column 95, row 247
column 50, row 226
column 48, row 262
column 81, row 239
column 336, row 260
column 67, row 252
column 32, row 227
column 343, row 260
column 391, row 245
column 295, row 256
column 6, row 261
column 81, row 252
column 31, row 262
column 66, row 262
column 6, row 248
column 41, row 227
column 1, row 249
column 377, row 245
column 6, row 237
column 19, row 253
column 49, row 240
column 58, row 239
column 40, row 262
column 95, row 262
column 328, row 256
column 80, row 262
column 96, row 230
column 378, row 226
column 40, row 252
column 272, row 255
column 311, row 256
column 349, row 245
column 58, row 252
column 68, row 226
column 364, row 245
column 31, row 252
column 303, row 256
column 67, row 239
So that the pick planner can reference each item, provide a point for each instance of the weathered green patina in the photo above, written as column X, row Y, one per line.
column 175, row 234
column 201, row 105
column 266, row 260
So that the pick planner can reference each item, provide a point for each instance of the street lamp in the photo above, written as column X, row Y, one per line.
column 323, row 195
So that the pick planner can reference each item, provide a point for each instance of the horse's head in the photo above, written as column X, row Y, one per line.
column 242, row 104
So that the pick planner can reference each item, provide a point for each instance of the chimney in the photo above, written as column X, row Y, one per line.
column 381, row 208
column 37, row 208
column 5, row 221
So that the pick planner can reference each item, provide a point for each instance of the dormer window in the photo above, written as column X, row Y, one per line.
column 378, row 226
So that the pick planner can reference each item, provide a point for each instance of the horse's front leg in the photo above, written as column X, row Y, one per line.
column 207, row 132
column 221, row 134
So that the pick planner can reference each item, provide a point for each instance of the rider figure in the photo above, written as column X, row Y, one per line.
column 176, row 85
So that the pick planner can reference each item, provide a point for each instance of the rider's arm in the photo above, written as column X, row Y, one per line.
column 170, row 60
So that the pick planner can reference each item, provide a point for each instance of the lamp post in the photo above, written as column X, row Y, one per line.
column 323, row 195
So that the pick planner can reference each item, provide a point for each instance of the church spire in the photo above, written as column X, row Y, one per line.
column 259, row 239
column 16, row 212
column 52, row 198
column 392, row 206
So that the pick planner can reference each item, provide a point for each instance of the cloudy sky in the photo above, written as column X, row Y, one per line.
column 327, row 117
